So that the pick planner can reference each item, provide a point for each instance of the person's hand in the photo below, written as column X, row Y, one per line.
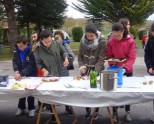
column 66, row 62
column 82, row 70
column 151, row 71
column 45, row 72
column 17, row 75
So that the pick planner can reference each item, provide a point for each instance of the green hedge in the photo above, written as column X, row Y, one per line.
column 141, row 33
column 133, row 31
column 77, row 33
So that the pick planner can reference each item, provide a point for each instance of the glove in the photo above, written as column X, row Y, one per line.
column 70, row 58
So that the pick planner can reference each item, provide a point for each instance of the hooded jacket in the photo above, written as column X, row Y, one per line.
column 93, row 54
column 28, row 66
column 51, row 59
column 149, row 53
column 125, row 48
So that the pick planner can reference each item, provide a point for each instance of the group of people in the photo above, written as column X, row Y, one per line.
column 52, row 57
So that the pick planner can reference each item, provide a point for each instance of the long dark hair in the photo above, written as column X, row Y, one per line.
column 151, row 30
column 35, row 32
column 124, row 22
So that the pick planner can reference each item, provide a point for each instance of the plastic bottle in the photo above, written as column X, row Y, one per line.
column 93, row 78
column 119, row 74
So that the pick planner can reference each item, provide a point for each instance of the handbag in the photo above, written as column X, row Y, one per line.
column 70, row 65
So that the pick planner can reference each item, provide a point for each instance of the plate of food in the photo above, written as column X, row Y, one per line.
column 50, row 79
column 115, row 59
column 80, row 78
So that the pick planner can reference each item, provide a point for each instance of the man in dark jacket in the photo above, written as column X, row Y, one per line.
column 24, row 65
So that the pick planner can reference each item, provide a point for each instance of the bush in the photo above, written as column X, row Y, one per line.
column 141, row 33
column 77, row 33
column 133, row 31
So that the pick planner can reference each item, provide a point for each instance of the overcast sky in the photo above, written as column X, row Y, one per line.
column 72, row 12
column 76, row 14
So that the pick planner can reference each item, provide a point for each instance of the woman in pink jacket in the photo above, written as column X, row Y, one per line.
column 122, row 45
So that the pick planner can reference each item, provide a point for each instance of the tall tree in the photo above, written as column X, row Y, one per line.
column 97, row 22
column 11, row 19
column 49, row 13
column 112, row 10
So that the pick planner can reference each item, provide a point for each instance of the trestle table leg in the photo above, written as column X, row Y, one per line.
column 92, row 117
column 55, row 113
column 75, row 118
column 110, row 115
column 39, row 114
column 116, row 111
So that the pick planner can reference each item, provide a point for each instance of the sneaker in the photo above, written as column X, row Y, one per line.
column 96, row 116
column 37, row 109
column 152, row 121
column 114, row 117
column 47, row 107
column 128, row 117
column 20, row 112
column 32, row 113
column 87, row 115
column 70, row 113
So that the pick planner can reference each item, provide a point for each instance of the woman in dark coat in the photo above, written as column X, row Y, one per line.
column 149, row 52
column 149, row 55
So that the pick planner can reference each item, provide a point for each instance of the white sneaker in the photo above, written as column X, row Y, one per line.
column 20, row 112
column 32, row 113
column 114, row 117
column 128, row 117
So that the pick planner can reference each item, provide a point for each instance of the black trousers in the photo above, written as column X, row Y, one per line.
column 88, row 109
column 49, row 107
column 127, row 108
column 30, row 101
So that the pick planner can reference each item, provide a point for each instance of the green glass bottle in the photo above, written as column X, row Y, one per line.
column 93, row 78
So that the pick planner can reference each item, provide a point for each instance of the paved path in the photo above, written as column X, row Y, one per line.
column 141, row 113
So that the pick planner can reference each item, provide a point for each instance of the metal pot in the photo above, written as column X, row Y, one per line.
column 108, row 80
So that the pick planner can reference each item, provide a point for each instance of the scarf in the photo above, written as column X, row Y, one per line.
column 22, row 53
column 90, row 45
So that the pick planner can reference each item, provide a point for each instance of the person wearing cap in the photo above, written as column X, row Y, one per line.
column 92, row 51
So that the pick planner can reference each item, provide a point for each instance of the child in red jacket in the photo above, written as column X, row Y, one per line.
column 144, row 37
column 122, row 45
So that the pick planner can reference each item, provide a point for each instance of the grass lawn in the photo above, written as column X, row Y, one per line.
column 138, row 43
column 75, row 47
column 6, row 55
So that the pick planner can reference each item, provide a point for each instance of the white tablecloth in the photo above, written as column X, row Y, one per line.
column 133, row 91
